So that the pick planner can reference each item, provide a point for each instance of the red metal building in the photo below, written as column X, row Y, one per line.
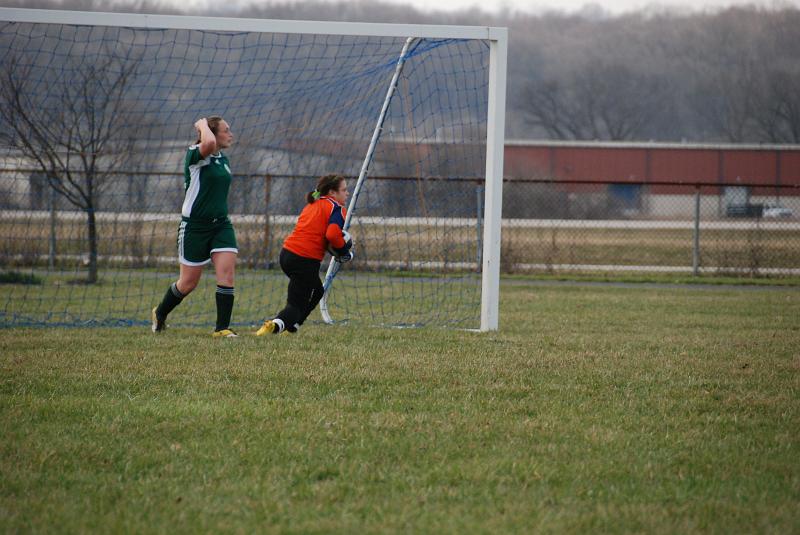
column 668, row 168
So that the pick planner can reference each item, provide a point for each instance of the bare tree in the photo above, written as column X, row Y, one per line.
column 776, row 108
column 785, row 93
column 76, row 129
column 597, row 100
column 725, row 94
column 725, row 73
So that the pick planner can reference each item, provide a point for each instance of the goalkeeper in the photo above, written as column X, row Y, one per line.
column 205, row 233
column 318, row 229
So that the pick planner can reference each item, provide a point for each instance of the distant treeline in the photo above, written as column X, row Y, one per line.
column 726, row 76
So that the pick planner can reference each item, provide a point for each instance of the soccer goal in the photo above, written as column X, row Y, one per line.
column 102, row 107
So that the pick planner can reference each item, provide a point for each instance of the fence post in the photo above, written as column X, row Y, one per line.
column 51, row 256
column 696, row 246
column 267, row 240
column 479, row 227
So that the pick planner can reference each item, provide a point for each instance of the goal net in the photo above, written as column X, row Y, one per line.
column 91, row 175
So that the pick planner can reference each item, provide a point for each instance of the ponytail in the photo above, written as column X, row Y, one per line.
column 325, row 185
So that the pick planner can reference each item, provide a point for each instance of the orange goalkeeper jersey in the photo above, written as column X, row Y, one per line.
column 319, row 224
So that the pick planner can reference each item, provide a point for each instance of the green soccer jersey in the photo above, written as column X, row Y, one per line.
column 207, row 182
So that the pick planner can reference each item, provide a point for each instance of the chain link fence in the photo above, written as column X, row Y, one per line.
column 548, row 226
column 636, row 227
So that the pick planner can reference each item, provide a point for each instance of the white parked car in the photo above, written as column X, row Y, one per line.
column 776, row 210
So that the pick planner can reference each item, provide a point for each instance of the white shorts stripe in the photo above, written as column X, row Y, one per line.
column 181, row 231
column 181, row 259
column 185, row 262
column 225, row 250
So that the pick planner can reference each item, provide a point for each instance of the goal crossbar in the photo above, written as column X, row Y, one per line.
column 496, row 39
column 223, row 24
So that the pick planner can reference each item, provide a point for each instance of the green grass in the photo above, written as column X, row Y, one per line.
column 15, row 277
column 127, row 297
column 592, row 410
column 657, row 278
column 730, row 248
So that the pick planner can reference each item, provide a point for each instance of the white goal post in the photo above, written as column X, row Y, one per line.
column 496, row 39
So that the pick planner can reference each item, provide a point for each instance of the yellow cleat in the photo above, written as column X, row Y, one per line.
column 224, row 333
column 158, row 325
column 269, row 327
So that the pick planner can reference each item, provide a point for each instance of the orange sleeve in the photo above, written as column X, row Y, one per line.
column 334, row 236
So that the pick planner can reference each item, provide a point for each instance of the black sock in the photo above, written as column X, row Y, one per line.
column 171, row 299
column 224, row 306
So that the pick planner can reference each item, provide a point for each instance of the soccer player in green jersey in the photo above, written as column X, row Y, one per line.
column 205, row 233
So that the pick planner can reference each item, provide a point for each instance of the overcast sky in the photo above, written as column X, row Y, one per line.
column 613, row 7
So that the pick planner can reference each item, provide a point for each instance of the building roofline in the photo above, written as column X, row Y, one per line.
column 648, row 145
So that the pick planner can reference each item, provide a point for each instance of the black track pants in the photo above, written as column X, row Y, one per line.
column 305, row 288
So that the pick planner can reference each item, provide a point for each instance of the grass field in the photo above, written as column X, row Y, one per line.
column 593, row 409
column 126, row 297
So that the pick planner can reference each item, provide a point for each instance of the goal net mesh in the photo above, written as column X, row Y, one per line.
column 91, row 175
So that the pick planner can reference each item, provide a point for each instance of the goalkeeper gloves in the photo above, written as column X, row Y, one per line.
column 348, row 245
column 344, row 258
